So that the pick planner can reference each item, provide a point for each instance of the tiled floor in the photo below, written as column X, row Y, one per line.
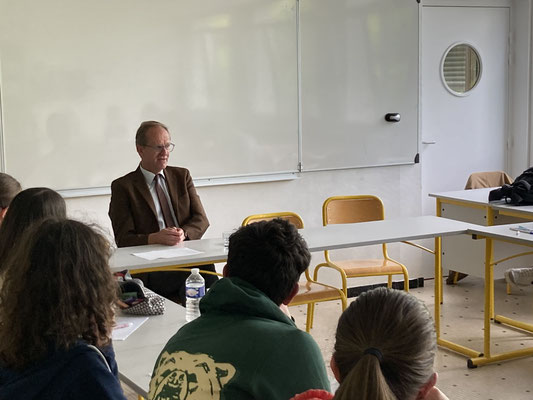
column 462, row 322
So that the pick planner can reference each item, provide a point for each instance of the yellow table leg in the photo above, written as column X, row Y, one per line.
column 438, row 283
column 438, row 296
column 476, row 362
column 458, row 348
column 512, row 322
column 439, row 214
column 489, row 296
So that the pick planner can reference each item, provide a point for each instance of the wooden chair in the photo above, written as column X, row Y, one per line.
column 310, row 291
column 479, row 180
column 352, row 209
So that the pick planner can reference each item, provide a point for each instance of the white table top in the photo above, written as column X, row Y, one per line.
column 481, row 197
column 504, row 232
column 376, row 232
column 474, row 196
column 211, row 250
column 136, row 356
column 318, row 239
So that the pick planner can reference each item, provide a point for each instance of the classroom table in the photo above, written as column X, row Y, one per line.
column 501, row 233
column 477, row 257
column 459, row 253
column 145, row 343
column 318, row 238
column 136, row 356
column 211, row 251
column 479, row 198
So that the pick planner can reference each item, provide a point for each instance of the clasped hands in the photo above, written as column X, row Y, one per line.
column 167, row 236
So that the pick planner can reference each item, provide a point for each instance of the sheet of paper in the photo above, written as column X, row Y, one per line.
column 167, row 253
column 125, row 325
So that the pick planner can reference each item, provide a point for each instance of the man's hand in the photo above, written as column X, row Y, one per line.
column 167, row 236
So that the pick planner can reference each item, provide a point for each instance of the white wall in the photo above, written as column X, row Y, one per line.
column 521, row 91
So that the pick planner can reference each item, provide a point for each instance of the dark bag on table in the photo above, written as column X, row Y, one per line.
column 518, row 193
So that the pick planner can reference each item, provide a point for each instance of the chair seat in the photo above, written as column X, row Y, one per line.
column 378, row 266
column 310, row 292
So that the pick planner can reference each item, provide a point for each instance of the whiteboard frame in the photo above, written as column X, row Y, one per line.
column 205, row 182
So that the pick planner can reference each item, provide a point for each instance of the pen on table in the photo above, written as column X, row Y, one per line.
column 120, row 326
column 522, row 229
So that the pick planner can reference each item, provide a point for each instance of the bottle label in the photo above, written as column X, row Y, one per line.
column 195, row 292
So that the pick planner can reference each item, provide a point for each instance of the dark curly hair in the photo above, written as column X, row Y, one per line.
column 28, row 207
column 58, row 289
column 271, row 255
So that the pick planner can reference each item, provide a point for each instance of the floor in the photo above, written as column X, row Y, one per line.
column 462, row 322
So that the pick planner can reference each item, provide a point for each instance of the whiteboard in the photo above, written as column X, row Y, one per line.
column 78, row 77
column 359, row 61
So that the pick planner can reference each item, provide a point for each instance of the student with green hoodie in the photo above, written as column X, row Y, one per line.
column 243, row 346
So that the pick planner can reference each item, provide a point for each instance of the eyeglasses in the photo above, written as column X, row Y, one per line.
column 168, row 147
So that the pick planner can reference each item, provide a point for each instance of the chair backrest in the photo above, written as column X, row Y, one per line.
column 479, row 180
column 350, row 209
column 293, row 218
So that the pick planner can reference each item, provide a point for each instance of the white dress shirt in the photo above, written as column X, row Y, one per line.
column 149, row 178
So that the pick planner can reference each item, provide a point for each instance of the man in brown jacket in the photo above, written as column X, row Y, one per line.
column 157, row 204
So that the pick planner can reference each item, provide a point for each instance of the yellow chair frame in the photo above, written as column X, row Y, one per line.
column 353, row 209
column 310, row 291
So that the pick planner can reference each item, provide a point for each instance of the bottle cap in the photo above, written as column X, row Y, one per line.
column 195, row 270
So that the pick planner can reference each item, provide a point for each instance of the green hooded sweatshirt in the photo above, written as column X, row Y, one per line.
column 241, row 347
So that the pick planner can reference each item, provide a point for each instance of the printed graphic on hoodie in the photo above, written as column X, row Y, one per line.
column 184, row 376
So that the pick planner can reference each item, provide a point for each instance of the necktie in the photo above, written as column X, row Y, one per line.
column 163, row 202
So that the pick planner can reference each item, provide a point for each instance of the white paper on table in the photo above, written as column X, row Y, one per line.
column 125, row 325
column 167, row 253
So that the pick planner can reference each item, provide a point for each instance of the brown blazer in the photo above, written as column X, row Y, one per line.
column 132, row 209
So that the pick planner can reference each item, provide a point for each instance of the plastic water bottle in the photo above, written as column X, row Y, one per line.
column 194, row 291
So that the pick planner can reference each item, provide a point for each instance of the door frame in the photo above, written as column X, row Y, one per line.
column 520, row 75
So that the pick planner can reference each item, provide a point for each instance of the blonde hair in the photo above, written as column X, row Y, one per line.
column 385, row 347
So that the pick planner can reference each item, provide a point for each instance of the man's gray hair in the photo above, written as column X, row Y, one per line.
column 140, row 136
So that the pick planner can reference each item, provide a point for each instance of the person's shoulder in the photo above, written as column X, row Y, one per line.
column 93, row 374
column 83, row 353
column 296, row 338
column 177, row 170
column 125, row 178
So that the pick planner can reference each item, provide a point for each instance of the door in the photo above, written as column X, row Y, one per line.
column 462, row 131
